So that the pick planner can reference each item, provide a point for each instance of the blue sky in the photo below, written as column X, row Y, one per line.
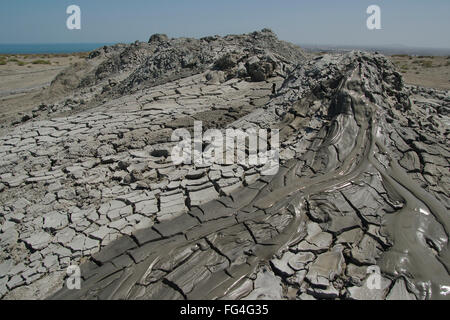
column 417, row 23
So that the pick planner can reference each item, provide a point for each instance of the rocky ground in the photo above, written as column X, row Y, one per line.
column 363, row 178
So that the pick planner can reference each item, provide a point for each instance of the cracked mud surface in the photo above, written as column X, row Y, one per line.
column 363, row 181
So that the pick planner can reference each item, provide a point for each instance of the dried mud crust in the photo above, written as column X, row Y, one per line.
column 363, row 181
column 310, row 231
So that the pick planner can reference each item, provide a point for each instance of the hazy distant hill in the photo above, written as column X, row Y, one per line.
column 392, row 49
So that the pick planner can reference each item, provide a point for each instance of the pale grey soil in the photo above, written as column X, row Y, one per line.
column 363, row 181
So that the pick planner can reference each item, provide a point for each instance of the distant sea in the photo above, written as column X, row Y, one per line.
column 50, row 48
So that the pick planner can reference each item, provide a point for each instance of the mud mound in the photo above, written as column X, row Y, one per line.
column 343, row 204
column 362, row 184
column 123, row 69
column 257, row 55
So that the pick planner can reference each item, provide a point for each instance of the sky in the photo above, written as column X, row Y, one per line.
column 415, row 23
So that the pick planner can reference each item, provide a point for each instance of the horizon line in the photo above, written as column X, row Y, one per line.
column 306, row 44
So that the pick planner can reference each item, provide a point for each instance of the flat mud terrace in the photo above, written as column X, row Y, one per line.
column 363, row 180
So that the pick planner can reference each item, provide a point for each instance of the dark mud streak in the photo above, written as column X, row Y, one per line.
column 411, row 255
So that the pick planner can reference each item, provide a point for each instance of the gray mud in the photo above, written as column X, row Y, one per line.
column 363, row 182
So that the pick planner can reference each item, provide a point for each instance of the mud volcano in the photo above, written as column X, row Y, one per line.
column 363, row 180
